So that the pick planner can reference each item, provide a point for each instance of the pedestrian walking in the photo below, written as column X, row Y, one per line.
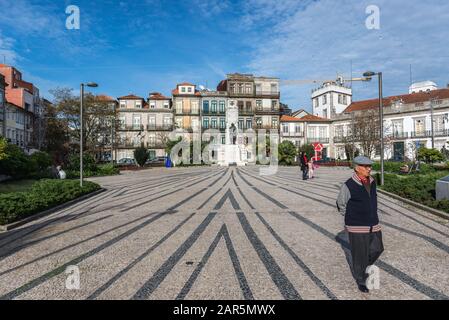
column 357, row 201
column 311, row 168
column 304, row 165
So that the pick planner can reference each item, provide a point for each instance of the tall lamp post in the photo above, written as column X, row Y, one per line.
column 370, row 74
column 92, row 85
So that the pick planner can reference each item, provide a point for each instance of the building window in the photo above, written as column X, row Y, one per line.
column 166, row 105
column 232, row 88
column 248, row 88
column 274, row 123
column 206, row 123
column 259, row 104
column 248, row 106
column 249, row 124
column 297, row 128
column 223, row 139
column 240, row 105
column 138, row 105
column 222, row 106
column 325, row 99
column 274, row 104
column 241, row 123
column 214, row 106
column 340, row 99
column 240, row 87
column 178, row 106
column 206, row 106
column 285, row 127
column 345, row 100
column 213, row 123
column 259, row 122
column 152, row 105
column 195, row 107
column 222, row 123
column 122, row 105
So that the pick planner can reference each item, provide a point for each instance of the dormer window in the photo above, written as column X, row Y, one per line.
column 152, row 105
column 123, row 105
column 138, row 105
column 183, row 89
column 166, row 105
column 189, row 89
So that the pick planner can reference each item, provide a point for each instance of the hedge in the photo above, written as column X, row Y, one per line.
column 44, row 194
column 419, row 188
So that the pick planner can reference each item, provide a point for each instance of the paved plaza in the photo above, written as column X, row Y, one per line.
column 219, row 233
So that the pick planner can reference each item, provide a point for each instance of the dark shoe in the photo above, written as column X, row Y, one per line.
column 363, row 288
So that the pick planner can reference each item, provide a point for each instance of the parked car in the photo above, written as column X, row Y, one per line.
column 157, row 160
column 126, row 162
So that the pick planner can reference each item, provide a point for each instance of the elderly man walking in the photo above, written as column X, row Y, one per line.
column 357, row 201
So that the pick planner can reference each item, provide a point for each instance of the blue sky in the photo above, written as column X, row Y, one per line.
column 150, row 45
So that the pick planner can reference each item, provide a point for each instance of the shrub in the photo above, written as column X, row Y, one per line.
column 107, row 170
column 43, row 195
column 287, row 153
column 430, row 155
column 88, row 163
column 15, row 162
column 141, row 156
column 419, row 188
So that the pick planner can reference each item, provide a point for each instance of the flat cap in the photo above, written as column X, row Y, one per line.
column 361, row 160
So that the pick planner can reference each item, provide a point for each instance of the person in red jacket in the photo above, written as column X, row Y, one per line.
column 304, row 165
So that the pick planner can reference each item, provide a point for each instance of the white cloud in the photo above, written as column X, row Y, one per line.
column 7, row 53
column 305, row 40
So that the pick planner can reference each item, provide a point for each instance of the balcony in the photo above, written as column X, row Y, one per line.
column 317, row 140
column 441, row 133
column 266, row 127
column 214, row 113
column 204, row 128
column 152, row 127
column 421, row 134
column 187, row 112
column 341, row 139
column 128, row 145
column 292, row 134
column 133, row 127
column 272, row 111
column 155, row 145
column 271, row 94
column 246, row 111
column 398, row 135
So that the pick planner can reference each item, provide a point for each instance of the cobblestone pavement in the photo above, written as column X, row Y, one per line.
column 219, row 233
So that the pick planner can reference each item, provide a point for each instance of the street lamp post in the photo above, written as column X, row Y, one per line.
column 92, row 85
column 369, row 74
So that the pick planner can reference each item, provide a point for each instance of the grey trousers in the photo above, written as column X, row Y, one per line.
column 366, row 248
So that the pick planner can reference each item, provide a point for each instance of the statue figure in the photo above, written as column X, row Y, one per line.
column 232, row 133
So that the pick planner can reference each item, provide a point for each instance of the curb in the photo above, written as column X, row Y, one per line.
column 36, row 216
column 433, row 211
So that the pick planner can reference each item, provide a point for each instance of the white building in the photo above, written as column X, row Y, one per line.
column 424, row 86
column 331, row 98
column 407, row 123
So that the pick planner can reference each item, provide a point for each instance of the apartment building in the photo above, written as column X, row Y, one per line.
column 407, row 123
column 23, row 105
column 186, row 104
column 159, row 123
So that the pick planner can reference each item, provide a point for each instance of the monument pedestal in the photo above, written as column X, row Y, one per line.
column 230, row 155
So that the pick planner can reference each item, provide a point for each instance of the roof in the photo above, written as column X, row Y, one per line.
column 158, row 96
column 185, row 84
column 130, row 97
column 406, row 99
column 312, row 118
column 290, row 119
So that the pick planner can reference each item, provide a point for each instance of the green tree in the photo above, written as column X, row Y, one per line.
column 41, row 161
column 287, row 153
column 141, row 155
column 308, row 149
column 3, row 146
column 430, row 155
column 15, row 162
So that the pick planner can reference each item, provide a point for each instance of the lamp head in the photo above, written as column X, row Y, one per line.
column 92, row 84
column 369, row 74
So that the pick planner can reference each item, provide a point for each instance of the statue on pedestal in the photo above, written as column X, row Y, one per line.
column 233, row 134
